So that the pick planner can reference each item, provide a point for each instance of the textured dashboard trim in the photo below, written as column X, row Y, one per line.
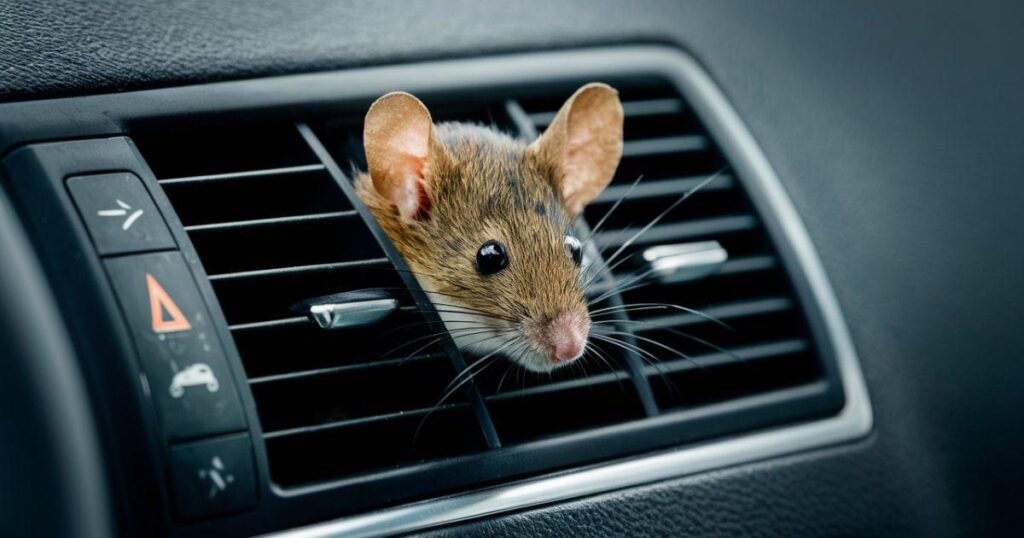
column 854, row 421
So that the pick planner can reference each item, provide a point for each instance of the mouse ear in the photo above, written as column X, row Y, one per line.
column 398, row 135
column 584, row 142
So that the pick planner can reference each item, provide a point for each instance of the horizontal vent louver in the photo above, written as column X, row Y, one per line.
column 272, row 228
column 270, row 216
column 746, row 334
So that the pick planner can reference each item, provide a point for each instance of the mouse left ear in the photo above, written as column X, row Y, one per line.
column 398, row 136
column 584, row 143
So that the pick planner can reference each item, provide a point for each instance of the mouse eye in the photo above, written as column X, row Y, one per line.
column 575, row 249
column 491, row 258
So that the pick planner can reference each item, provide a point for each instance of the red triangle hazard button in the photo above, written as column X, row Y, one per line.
column 166, row 315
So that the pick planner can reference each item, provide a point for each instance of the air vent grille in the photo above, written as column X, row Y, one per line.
column 271, row 237
column 270, row 213
column 745, row 333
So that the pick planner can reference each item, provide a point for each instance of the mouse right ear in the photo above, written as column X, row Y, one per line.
column 398, row 136
column 584, row 143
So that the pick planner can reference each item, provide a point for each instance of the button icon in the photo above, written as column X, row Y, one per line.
column 219, row 480
column 195, row 375
column 122, row 212
column 213, row 476
column 159, row 302
column 119, row 213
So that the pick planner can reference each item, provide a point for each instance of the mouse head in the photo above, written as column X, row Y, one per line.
column 485, row 221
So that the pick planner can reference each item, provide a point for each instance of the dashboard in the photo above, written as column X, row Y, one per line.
column 176, row 190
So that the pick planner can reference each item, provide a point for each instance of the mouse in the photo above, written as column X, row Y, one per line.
column 484, row 220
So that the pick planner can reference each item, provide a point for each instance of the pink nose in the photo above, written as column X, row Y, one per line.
column 567, row 336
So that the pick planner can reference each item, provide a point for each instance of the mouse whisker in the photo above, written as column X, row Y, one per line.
column 691, row 337
column 594, row 230
column 625, row 283
column 597, row 354
column 438, row 336
column 492, row 355
column 444, row 293
column 608, row 270
column 635, row 307
column 458, row 309
column 508, row 369
column 644, row 355
column 664, row 213
column 651, row 341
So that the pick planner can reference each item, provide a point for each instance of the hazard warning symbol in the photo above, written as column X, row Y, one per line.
column 166, row 316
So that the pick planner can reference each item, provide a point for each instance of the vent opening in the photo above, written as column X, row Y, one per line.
column 333, row 402
column 745, row 334
column 346, row 408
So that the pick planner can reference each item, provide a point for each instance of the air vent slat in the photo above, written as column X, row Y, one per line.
column 312, row 268
column 665, row 233
column 662, row 187
column 747, row 264
column 721, row 313
column 652, row 107
column 740, row 356
column 670, row 144
column 283, row 322
column 271, row 221
column 246, row 174
column 743, row 264
column 345, row 368
column 591, row 381
column 632, row 109
column 361, row 421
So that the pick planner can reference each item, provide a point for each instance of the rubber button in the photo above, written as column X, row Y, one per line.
column 182, row 358
column 213, row 477
column 119, row 214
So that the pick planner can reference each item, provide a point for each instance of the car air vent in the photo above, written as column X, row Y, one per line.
column 705, row 332
column 717, row 319
column 272, row 228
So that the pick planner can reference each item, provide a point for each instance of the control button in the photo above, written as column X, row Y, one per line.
column 213, row 477
column 182, row 357
column 119, row 213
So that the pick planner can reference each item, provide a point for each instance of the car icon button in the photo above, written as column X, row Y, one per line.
column 185, row 367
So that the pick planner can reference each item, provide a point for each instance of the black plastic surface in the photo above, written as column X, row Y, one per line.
column 895, row 128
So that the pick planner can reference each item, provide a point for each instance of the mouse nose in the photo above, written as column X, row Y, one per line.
column 567, row 336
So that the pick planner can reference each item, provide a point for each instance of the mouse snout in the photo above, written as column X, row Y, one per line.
column 566, row 336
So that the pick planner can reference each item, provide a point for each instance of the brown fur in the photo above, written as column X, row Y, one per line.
column 484, row 186
column 441, row 192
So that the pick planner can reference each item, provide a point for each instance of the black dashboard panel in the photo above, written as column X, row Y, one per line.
column 895, row 129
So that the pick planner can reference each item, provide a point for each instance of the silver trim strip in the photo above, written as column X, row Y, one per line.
column 354, row 314
column 854, row 421
column 683, row 262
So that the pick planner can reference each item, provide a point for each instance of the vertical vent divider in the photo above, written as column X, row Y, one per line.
column 528, row 132
column 472, row 391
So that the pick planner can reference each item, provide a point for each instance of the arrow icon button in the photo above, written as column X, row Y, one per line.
column 123, row 211
column 119, row 213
